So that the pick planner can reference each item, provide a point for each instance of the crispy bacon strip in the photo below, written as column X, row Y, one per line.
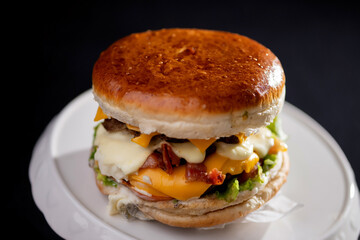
column 175, row 160
column 154, row 160
column 166, row 159
column 195, row 172
column 215, row 177
column 198, row 172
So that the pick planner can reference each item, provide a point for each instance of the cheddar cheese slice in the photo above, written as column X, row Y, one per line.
column 131, row 127
column 202, row 144
column 176, row 186
column 241, row 137
column 100, row 115
column 144, row 139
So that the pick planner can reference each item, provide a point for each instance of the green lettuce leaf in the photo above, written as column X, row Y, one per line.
column 94, row 148
column 247, row 185
column 269, row 162
column 276, row 129
column 95, row 132
column 231, row 192
column 92, row 154
column 107, row 181
column 233, row 187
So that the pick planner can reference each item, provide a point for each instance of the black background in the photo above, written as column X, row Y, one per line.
column 318, row 44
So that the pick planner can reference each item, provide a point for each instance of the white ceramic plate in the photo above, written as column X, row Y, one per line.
column 64, row 189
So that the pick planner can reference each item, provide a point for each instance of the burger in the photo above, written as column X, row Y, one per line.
column 188, row 132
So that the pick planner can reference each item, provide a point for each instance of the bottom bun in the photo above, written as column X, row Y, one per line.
column 226, row 214
column 204, row 212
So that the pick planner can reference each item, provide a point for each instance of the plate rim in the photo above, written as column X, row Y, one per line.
column 341, row 158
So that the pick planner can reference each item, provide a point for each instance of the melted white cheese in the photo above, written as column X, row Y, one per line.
column 260, row 143
column 120, row 200
column 117, row 155
column 188, row 151
column 240, row 151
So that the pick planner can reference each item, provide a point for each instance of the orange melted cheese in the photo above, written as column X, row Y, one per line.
column 241, row 137
column 131, row 127
column 202, row 144
column 144, row 139
column 100, row 115
column 146, row 188
column 277, row 147
column 176, row 186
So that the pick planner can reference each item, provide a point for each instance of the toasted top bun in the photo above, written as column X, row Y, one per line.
column 189, row 83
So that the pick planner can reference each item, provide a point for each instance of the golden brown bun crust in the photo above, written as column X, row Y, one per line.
column 188, row 71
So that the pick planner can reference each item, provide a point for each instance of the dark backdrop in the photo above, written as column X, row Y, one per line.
column 317, row 43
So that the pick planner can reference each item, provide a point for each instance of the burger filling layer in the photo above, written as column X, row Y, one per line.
column 156, row 167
